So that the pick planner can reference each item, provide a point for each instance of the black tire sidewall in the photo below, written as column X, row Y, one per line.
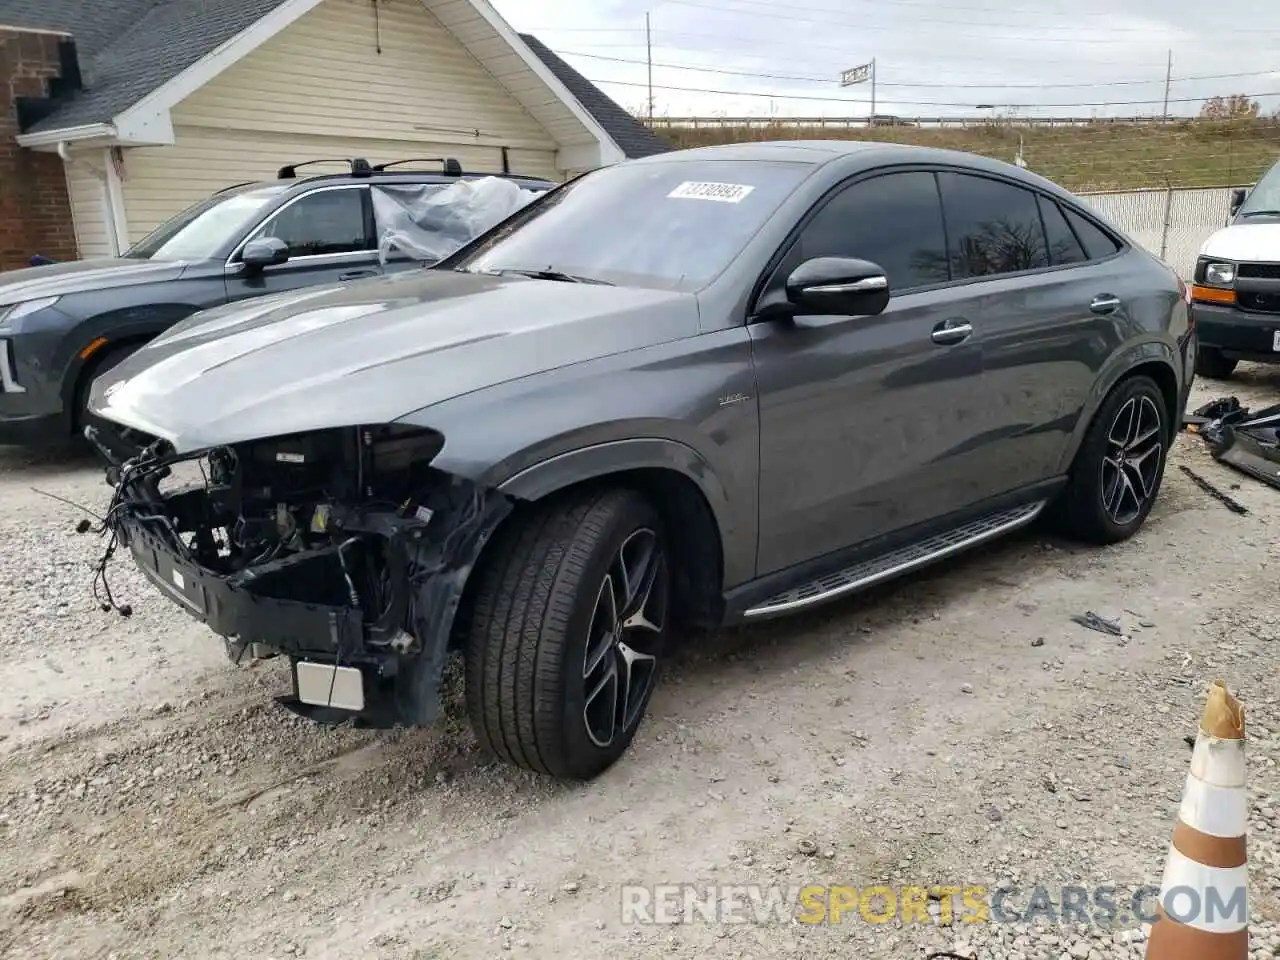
column 586, row 758
column 112, row 358
column 1087, row 482
column 1212, row 365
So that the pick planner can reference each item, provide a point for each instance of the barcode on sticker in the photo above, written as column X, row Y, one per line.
column 720, row 192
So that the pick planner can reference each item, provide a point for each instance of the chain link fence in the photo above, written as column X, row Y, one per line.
column 1172, row 223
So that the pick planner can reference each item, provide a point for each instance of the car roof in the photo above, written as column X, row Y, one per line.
column 871, row 152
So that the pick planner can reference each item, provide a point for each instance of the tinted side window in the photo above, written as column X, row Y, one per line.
column 993, row 227
column 327, row 221
column 893, row 220
column 1063, row 245
column 1097, row 244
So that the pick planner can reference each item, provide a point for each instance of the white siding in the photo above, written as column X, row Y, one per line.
column 162, row 181
column 88, row 197
column 321, row 89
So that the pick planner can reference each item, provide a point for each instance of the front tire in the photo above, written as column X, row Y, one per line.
column 567, row 632
column 1118, row 471
column 1210, row 363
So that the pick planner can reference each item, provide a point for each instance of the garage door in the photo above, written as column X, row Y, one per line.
column 162, row 181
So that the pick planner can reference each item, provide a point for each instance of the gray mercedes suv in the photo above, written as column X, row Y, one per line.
column 708, row 386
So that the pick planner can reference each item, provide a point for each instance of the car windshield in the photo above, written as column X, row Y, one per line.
column 199, row 232
column 672, row 225
column 1264, row 198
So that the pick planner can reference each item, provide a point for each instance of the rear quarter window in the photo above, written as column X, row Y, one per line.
column 1097, row 243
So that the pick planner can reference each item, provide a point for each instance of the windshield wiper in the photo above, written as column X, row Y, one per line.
column 1261, row 213
column 557, row 275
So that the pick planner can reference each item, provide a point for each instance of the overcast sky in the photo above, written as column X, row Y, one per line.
column 933, row 57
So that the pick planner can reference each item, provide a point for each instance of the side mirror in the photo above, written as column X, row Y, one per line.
column 839, row 286
column 264, row 252
column 1238, row 196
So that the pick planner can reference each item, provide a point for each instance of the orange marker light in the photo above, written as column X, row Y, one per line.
column 1213, row 295
column 92, row 348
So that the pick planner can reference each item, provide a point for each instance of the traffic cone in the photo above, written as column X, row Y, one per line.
column 1203, row 912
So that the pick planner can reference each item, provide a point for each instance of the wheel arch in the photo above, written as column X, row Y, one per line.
column 1153, row 359
column 105, row 335
column 680, row 484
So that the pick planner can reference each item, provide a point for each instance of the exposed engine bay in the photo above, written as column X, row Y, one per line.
column 337, row 547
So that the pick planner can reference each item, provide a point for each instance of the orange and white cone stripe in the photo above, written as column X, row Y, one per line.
column 1203, row 910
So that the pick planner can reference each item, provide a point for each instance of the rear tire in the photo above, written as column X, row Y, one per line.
column 1210, row 363
column 1117, row 473
column 567, row 632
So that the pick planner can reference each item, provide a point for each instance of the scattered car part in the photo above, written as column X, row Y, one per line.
column 1230, row 502
column 1247, row 440
column 1098, row 623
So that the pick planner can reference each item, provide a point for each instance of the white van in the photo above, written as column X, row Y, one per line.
column 1235, row 294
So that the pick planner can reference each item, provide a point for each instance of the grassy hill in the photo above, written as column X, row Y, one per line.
column 1091, row 157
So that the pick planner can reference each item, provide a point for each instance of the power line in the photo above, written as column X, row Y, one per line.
column 923, row 103
column 828, row 18
column 753, row 43
column 1002, row 11
column 976, row 86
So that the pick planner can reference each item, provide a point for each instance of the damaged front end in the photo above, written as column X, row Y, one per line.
column 342, row 549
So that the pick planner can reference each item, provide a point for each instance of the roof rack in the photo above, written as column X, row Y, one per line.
column 452, row 167
column 358, row 165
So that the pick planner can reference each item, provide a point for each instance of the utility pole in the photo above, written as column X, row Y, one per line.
column 648, row 43
column 1168, row 79
column 873, row 92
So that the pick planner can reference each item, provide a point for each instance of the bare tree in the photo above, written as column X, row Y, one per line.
column 1237, row 106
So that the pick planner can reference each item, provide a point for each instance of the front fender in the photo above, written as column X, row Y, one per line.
column 1116, row 368
column 640, row 453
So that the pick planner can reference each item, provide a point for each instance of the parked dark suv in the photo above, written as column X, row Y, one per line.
column 63, row 324
column 706, row 386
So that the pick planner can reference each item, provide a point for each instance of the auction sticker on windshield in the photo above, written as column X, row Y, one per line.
column 720, row 192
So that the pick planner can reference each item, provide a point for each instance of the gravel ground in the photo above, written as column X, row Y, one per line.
column 952, row 728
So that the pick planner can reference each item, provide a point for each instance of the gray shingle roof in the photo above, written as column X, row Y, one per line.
column 635, row 139
column 128, row 48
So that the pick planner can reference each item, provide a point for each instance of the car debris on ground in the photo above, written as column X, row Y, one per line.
column 1245, row 439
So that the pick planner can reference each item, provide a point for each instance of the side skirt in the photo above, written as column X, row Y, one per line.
column 851, row 571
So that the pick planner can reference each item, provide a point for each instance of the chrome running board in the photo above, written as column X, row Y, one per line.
column 900, row 561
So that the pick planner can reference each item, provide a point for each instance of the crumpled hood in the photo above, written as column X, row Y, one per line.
column 371, row 352
column 1247, row 242
column 78, row 276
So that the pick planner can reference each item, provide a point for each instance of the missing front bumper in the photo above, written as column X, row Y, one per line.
column 369, row 582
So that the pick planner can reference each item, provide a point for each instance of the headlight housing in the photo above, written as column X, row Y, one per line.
column 1218, row 273
column 17, row 311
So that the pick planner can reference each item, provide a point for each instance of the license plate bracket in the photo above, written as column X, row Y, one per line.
column 326, row 685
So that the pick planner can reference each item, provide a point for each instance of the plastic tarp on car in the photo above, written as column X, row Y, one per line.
column 430, row 221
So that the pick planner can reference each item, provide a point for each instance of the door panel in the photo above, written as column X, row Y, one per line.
column 1040, row 338
column 867, row 424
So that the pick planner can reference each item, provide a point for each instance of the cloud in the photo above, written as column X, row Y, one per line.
column 933, row 57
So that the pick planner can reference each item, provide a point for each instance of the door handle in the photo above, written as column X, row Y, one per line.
column 357, row 274
column 951, row 331
column 1104, row 303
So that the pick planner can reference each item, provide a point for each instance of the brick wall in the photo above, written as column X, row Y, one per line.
column 35, row 212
